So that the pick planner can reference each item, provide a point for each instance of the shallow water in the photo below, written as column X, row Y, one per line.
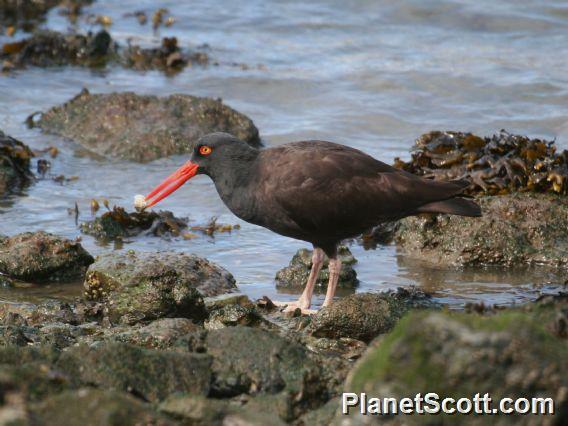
column 370, row 74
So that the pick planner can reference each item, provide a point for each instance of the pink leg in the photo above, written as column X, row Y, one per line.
column 334, row 269
column 305, row 300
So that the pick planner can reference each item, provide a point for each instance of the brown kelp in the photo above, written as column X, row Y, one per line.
column 494, row 165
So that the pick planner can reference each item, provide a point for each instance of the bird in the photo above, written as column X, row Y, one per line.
column 315, row 191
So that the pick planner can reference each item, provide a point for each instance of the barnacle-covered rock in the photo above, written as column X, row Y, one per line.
column 14, row 165
column 296, row 274
column 146, row 286
column 515, row 229
column 143, row 128
column 494, row 165
column 364, row 316
column 40, row 257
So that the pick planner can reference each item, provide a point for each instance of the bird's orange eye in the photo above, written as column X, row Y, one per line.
column 205, row 150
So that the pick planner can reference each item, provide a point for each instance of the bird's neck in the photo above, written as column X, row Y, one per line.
column 234, row 181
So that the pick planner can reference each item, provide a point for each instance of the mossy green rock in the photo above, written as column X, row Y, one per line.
column 153, row 374
column 361, row 316
column 296, row 274
column 14, row 165
column 513, row 353
column 515, row 229
column 87, row 406
column 144, row 128
column 146, row 286
column 40, row 257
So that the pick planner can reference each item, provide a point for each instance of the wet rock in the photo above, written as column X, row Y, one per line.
column 164, row 333
column 255, row 361
column 145, row 286
column 15, row 171
column 143, row 128
column 296, row 274
column 104, row 407
column 40, row 257
column 119, row 223
column 514, row 229
column 494, row 165
column 361, row 316
column 51, row 48
column 511, row 354
column 147, row 373
column 233, row 315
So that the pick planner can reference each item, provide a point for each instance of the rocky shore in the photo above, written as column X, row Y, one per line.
column 166, row 339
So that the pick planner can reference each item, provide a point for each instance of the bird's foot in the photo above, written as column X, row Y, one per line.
column 292, row 306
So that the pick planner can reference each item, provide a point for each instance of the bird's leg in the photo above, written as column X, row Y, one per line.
column 334, row 269
column 305, row 300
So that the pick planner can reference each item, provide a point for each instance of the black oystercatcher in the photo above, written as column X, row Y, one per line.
column 316, row 191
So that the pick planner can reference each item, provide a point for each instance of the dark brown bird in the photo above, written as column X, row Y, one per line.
column 315, row 191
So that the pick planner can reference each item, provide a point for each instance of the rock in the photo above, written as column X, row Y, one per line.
column 227, row 299
column 511, row 354
column 361, row 316
column 296, row 274
column 143, row 128
column 256, row 361
column 150, row 374
column 118, row 224
column 88, row 406
column 146, row 286
column 514, row 229
column 233, row 315
column 344, row 346
column 40, row 257
column 15, row 171
column 164, row 333
column 322, row 416
column 49, row 311
column 50, row 48
column 195, row 410
column 31, row 374
column 199, row 411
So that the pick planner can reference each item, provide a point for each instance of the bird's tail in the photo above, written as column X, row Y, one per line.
column 459, row 206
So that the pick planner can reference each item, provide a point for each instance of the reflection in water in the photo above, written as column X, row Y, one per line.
column 493, row 285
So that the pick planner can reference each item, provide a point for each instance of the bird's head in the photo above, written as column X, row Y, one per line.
column 212, row 155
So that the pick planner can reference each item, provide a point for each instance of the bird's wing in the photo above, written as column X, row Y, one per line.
column 324, row 186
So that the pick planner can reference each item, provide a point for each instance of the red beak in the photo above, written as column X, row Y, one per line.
column 173, row 182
